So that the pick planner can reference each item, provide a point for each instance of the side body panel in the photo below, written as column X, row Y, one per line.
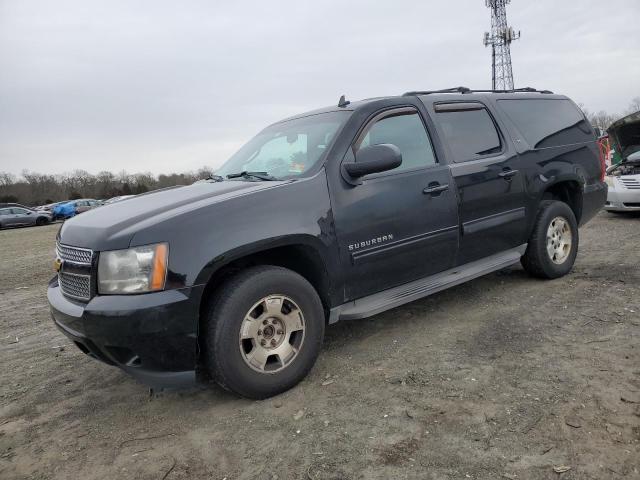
column 542, row 168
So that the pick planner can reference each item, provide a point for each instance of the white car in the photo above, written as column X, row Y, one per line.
column 623, row 180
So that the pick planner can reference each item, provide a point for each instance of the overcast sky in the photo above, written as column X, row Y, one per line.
column 168, row 86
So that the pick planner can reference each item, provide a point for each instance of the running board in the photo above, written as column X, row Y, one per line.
column 394, row 297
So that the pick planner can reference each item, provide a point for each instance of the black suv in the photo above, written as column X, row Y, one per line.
column 336, row 214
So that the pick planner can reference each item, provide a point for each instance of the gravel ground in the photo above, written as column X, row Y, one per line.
column 502, row 377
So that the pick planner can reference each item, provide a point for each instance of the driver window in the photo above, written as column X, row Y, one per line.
column 406, row 131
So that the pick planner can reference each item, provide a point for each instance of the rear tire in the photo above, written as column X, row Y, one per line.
column 553, row 244
column 263, row 332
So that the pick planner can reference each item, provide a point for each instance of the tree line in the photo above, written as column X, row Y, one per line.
column 33, row 188
column 603, row 119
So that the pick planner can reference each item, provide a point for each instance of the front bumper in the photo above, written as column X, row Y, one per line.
column 621, row 199
column 153, row 336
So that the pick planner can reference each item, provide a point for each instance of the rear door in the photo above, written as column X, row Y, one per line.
column 486, row 171
column 400, row 225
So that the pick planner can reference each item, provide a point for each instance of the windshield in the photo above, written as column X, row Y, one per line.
column 287, row 149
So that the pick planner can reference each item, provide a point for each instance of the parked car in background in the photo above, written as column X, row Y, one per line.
column 20, row 216
column 623, row 178
column 74, row 207
column 50, row 206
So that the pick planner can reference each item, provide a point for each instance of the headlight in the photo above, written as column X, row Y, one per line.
column 134, row 270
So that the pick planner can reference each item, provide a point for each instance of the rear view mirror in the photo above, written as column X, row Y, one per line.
column 373, row 159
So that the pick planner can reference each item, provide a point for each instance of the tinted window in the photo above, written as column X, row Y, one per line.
column 406, row 132
column 471, row 134
column 548, row 123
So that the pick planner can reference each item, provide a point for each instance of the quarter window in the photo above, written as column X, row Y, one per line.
column 406, row 131
column 548, row 122
column 471, row 134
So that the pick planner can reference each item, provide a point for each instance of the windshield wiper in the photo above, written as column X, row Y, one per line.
column 252, row 175
column 215, row 178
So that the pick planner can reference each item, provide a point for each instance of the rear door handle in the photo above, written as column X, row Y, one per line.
column 507, row 174
column 435, row 189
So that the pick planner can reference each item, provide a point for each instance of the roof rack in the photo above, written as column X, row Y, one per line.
column 468, row 90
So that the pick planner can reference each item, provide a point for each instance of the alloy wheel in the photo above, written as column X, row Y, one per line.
column 559, row 240
column 272, row 334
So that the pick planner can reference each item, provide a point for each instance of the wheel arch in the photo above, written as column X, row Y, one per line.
column 302, row 254
column 567, row 190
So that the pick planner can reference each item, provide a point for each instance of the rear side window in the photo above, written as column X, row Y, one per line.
column 548, row 122
column 471, row 134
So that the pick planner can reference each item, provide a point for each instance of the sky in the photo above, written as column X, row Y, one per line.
column 171, row 86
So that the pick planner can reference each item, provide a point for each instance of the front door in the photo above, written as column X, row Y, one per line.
column 400, row 225
column 485, row 168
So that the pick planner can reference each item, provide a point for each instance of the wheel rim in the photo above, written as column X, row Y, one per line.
column 559, row 240
column 271, row 334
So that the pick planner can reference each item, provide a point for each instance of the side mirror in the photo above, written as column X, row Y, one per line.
column 373, row 159
column 634, row 157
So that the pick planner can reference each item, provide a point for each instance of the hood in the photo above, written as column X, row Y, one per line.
column 112, row 226
column 624, row 134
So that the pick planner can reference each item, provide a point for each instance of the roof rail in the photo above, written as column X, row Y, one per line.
column 446, row 90
column 468, row 90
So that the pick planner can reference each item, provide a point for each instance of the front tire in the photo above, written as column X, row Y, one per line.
column 263, row 332
column 553, row 244
column 40, row 221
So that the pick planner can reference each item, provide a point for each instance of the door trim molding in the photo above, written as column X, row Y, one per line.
column 491, row 221
column 369, row 254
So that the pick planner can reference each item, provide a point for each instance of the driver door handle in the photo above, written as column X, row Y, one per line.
column 435, row 189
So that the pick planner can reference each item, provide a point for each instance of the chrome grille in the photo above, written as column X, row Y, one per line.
column 630, row 183
column 76, row 286
column 74, row 254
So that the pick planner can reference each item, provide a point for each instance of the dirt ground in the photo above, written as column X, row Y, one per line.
column 503, row 377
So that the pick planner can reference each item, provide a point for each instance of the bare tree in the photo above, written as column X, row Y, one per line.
column 634, row 106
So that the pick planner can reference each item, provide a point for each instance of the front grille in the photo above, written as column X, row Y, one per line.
column 74, row 254
column 75, row 286
column 75, row 273
column 630, row 183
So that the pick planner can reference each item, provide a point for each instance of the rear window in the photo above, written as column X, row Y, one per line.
column 548, row 123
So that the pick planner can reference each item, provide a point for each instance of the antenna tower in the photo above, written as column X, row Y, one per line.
column 500, row 40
